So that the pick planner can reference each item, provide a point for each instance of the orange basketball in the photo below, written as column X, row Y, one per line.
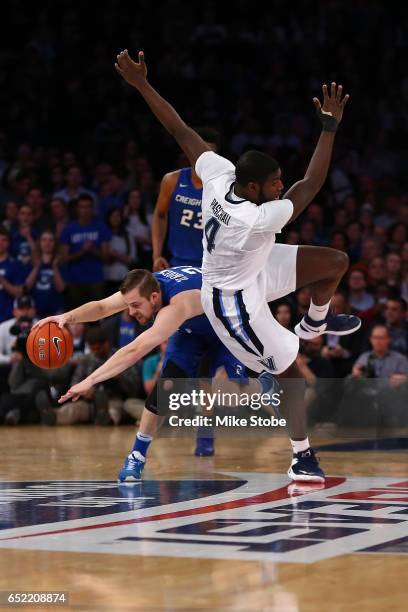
column 49, row 346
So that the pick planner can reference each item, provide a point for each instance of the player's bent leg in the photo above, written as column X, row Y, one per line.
column 304, row 465
column 321, row 269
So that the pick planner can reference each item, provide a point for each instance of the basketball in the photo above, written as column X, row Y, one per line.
column 50, row 346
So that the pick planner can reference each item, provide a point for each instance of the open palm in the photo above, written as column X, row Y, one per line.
column 134, row 73
column 334, row 102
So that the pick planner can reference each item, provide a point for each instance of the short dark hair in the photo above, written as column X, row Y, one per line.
column 255, row 166
column 96, row 335
column 143, row 280
column 84, row 196
column 400, row 301
column 4, row 232
column 209, row 134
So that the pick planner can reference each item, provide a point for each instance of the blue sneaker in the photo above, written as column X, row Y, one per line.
column 338, row 325
column 305, row 466
column 204, row 447
column 132, row 468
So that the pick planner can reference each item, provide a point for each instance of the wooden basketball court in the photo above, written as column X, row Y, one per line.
column 223, row 533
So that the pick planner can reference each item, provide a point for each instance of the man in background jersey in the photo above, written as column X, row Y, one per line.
column 243, row 269
column 178, row 214
column 172, row 298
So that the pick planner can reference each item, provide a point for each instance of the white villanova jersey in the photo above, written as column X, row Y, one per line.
column 238, row 234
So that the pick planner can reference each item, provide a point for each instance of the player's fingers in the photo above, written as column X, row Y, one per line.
column 345, row 100
column 316, row 102
column 325, row 94
column 118, row 69
column 333, row 90
column 141, row 57
column 339, row 93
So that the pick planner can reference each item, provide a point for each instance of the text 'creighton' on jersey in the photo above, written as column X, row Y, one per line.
column 238, row 234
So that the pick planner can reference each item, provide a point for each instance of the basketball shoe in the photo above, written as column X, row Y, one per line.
column 132, row 468
column 338, row 325
column 305, row 466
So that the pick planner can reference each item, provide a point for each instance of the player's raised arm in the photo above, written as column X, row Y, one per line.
column 166, row 323
column 330, row 115
column 91, row 311
column 135, row 73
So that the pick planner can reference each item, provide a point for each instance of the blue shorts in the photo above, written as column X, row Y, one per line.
column 187, row 350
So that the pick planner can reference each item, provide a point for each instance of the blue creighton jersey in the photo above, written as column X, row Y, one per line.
column 185, row 235
column 179, row 279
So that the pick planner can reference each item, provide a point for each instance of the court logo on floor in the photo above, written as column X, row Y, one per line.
column 243, row 516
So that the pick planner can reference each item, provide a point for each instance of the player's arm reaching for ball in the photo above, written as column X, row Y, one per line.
column 91, row 311
column 167, row 321
column 330, row 115
column 135, row 73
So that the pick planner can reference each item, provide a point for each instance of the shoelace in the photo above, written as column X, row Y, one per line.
column 132, row 462
column 310, row 460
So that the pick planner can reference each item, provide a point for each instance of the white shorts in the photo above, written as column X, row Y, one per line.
column 242, row 319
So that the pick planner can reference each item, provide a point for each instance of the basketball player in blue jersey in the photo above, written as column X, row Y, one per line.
column 178, row 213
column 243, row 267
column 172, row 298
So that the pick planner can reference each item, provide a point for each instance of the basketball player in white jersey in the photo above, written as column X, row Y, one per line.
column 243, row 268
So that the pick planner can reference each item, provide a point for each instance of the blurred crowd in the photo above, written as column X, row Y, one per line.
column 81, row 160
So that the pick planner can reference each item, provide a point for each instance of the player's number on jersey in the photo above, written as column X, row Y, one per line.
column 187, row 217
column 211, row 228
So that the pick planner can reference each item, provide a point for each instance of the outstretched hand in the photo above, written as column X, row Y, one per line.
column 134, row 73
column 333, row 104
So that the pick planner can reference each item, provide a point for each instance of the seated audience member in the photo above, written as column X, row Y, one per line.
column 23, row 308
column 12, row 276
column 339, row 241
column 369, row 249
column 341, row 351
column 393, row 270
column 103, row 404
column 122, row 251
column 397, row 235
column 45, row 282
column 74, row 187
column 84, row 249
column 377, row 272
column 353, row 233
column 283, row 312
column 395, row 319
column 361, row 302
column 376, row 393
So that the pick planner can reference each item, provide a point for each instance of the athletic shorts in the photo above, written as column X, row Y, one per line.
column 242, row 319
column 187, row 350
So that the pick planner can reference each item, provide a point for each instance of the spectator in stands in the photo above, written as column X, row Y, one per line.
column 397, row 235
column 78, row 331
column 381, row 362
column 23, row 239
column 318, row 373
column 369, row 249
column 10, row 216
column 122, row 251
column 377, row 272
column 121, row 329
column 283, row 313
column 395, row 318
column 23, row 307
column 35, row 200
column 12, row 276
column 138, row 226
column 45, row 282
column 85, row 246
column 339, row 241
column 361, row 302
column 59, row 216
column 111, row 194
column 393, row 266
column 353, row 233
column 74, row 187
column 303, row 297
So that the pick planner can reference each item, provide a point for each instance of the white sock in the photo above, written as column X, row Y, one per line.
column 299, row 446
column 318, row 313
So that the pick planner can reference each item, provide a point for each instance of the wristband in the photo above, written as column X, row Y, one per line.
column 329, row 123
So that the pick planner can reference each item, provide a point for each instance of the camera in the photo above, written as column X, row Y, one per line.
column 21, row 330
column 368, row 371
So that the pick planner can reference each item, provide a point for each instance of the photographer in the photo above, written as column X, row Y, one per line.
column 377, row 390
column 25, row 380
column 23, row 307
